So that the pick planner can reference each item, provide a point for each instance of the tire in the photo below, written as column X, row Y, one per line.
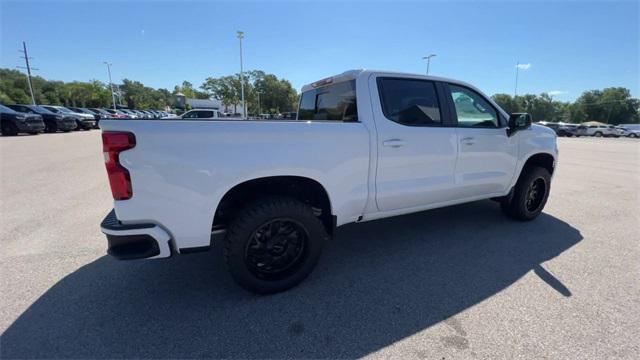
column 9, row 129
column 521, row 205
column 78, row 126
column 50, row 127
column 633, row 135
column 277, row 263
column 597, row 134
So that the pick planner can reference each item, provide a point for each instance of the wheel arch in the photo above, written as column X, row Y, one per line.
column 541, row 159
column 304, row 189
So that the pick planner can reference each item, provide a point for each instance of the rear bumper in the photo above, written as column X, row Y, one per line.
column 135, row 241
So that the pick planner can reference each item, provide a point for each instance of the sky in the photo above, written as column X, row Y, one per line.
column 564, row 47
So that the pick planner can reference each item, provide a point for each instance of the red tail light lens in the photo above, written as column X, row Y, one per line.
column 113, row 143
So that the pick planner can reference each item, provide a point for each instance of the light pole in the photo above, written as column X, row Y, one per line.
column 515, row 90
column 113, row 96
column 428, row 58
column 240, row 35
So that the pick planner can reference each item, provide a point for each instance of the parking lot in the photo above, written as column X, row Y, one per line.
column 459, row 282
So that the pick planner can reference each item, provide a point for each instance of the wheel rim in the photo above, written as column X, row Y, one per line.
column 276, row 248
column 535, row 194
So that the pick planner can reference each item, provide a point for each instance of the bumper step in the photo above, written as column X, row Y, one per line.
column 135, row 241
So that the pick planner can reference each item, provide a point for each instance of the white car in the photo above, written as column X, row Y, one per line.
column 366, row 145
column 201, row 114
column 600, row 131
column 627, row 132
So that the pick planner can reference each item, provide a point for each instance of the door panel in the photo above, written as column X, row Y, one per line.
column 415, row 162
column 486, row 155
column 486, row 162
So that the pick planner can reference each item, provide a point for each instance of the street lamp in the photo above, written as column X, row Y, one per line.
column 428, row 58
column 240, row 35
column 113, row 96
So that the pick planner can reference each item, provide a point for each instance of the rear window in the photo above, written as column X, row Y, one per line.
column 330, row 103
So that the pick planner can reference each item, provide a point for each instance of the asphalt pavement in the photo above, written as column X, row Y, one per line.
column 462, row 282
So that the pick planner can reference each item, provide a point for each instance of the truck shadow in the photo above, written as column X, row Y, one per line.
column 376, row 284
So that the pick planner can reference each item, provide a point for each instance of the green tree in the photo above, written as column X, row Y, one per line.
column 274, row 95
column 613, row 105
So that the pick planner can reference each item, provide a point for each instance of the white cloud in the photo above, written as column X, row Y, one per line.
column 556, row 92
column 523, row 66
column 142, row 32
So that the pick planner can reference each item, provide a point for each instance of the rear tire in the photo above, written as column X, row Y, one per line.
column 9, row 128
column 50, row 127
column 273, row 244
column 598, row 134
column 529, row 195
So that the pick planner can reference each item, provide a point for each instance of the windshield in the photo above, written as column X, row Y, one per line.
column 65, row 110
column 43, row 110
column 6, row 109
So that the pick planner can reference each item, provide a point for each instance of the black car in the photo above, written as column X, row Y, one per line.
column 13, row 122
column 52, row 122
column 87, row 111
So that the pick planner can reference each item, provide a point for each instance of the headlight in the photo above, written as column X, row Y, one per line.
column 59, row 117
column 21, row 117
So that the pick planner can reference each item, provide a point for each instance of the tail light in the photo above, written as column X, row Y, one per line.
column 113, row 143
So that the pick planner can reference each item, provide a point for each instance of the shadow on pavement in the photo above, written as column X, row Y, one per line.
column 376, row 284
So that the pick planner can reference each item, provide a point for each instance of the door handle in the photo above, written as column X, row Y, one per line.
column 394, row 143
column 468, row 140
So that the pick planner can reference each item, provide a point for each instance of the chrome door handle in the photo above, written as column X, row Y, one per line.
column 394, row 143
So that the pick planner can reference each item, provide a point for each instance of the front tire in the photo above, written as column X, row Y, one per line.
column 529, row 195
column 598, row 134
column 273, row 244
column 9, row 129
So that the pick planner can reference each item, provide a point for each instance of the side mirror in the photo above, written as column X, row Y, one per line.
column 518, row 121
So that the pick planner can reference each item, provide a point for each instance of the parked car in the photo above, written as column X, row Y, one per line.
column 52, row 121
column 626, row 132
column 83, row 121
column 276, row 190
column 117, row 114
column 201, row 114
column 601, row 131
column 13, row 122
column 130, row 114
column 568, row 130
column 97, row 117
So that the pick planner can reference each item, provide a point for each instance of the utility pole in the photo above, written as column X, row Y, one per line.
column 515, row 91
column 428, row 58
column 113, row 96
column 240, row 35
column 28, row 67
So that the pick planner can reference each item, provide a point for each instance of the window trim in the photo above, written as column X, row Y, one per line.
column 444, row 113
column 454, row 114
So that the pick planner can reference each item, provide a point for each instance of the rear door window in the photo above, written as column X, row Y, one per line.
column 330, row 103
column 410, row 102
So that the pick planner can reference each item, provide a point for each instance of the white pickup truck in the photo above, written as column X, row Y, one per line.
column 366, row 145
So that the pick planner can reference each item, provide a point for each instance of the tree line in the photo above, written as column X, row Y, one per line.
column 613, row 105
column 263, row 92
column 266, row 93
